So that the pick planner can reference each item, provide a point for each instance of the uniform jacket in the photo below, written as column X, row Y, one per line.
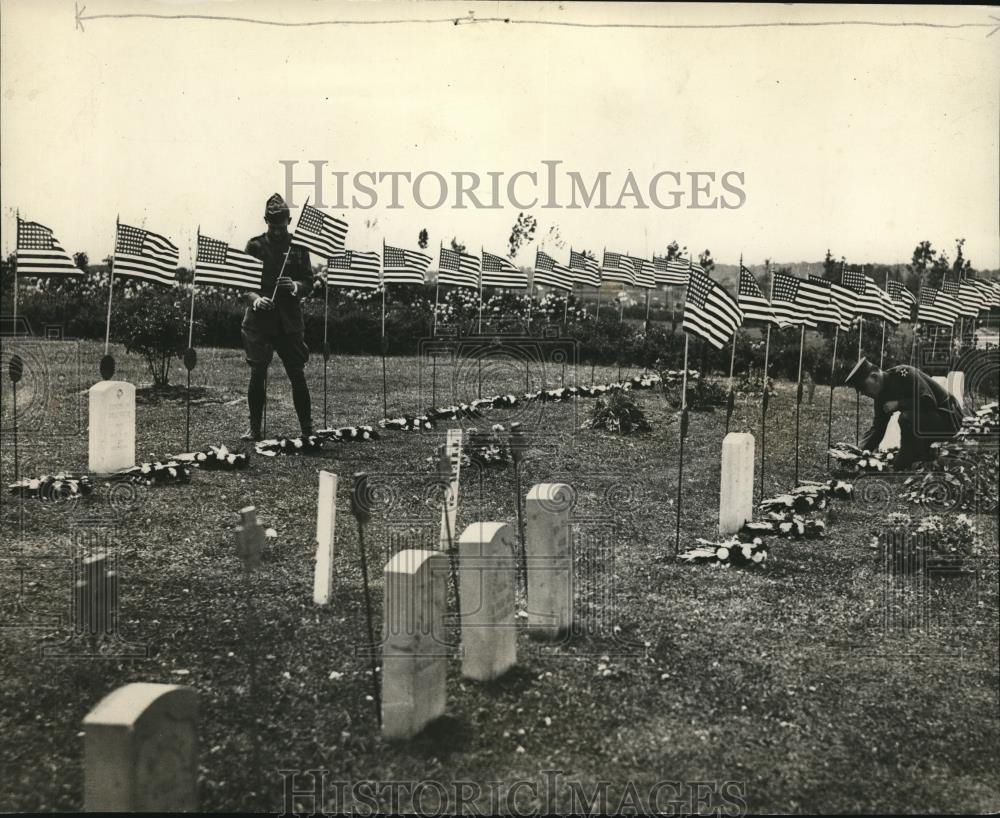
column 286, row 317
column 916, row 393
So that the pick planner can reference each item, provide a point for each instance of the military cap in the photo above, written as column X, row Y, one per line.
column 862, row 369
column 276, row 209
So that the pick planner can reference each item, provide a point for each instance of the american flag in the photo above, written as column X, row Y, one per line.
column 817, row 291
column 457, row 269
column 353, row 268
column 645, row 276
column 585, row 269
column 39, row 252
column 965, row 295
column 218, row 263
column 752, row 301
column 551, row 273
column 322, row 234
column 404, row 266
column 143, row 254
column 670, row 271
column 788, row 309
column 872, row 299
column 847, row 302
column 901, row 297
column 501, row 272
column 936, row 307
column 989, row 292
column 709, row 311
column 617, row 267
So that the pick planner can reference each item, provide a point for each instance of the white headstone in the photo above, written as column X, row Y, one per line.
column 326, row 519
column 141, row 750
column 487, row 565
column 112, row 427
column 449, row 511
column 414, row 648
column 736, row 489
column 892, row 438
column 549, row 559
column 956, row 386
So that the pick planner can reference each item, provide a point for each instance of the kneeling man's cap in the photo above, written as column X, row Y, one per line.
column 862, row 369
column 276, row 209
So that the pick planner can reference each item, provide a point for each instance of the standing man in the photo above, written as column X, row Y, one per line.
column 273, row 319
column 927, row 412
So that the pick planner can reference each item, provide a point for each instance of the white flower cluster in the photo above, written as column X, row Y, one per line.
column 727, row 553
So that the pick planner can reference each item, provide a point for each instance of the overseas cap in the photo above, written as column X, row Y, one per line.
column 276, row 209
column 862, row 369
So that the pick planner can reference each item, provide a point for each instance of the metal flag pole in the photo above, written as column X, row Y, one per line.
column 17, row 215
column 111, row 289
column 647, row 308
column 281, row 272
column 189, row 354
column 680, row 461
column 798, row 401
column 480, row 330
column 763, row 411
column 359, row 496
column 597, row 317
column 857, row 394
column 731, row 400
column 326, row 345
column 833, row 385
column 532, row 289
column 384, row 342
column 916, row 323
column 881, row 354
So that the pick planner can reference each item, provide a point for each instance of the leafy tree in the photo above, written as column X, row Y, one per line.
column 961, row 266
column 456, row 245
column 422, row 239
column 154, row 324
column 706, row 261
column 832, row 267
column 523, row 232
column 82, row 260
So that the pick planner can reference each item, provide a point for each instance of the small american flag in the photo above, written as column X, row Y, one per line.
column 709, row 311
column 965, row 295
column 585, row 269
column 322, row 234
column 645, row 276
column 353, row 268
column 501, row 272
column 673, row 271
column 937, row 307
column 825, row 310
column 617, row 267
column 752, row 301
column 218, row 263
column 404, row 266
column 872, row 299
column 457, row 269
column 144, row 254
column 901, row 297
column 551, row 273
column 788, row 309
column 989, row 293
column 40, row 254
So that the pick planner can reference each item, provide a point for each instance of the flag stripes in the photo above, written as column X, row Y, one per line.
column 218, row 263
column 617, row 267
column 39, row 252
column 551, row 273
column 709, row 311
column 501, row 272
column 847, row 302
column 404, row 266
column 751, row 300
column 585, row 269
column 324, row 235
column 902, row 298
column 871, row 299
column 989, row 293
column 457, row 269
column 965, row 296
column 815, row 293
column 145, row 255
column 784, row 301
column 353, row 268
column 936, row 307
column 644, row 274
column 672, row 271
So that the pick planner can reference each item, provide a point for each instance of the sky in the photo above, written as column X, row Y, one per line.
column 861, row 139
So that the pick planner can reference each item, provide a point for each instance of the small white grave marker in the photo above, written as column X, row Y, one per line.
column 487, row 565
column 414, row 649
column 549, row 559
column 449, row 510
column 141, row 750
column 326, row 518
column 111, row 421
column 736, row 489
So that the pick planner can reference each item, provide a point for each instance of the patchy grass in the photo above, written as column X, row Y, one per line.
column 787, row 679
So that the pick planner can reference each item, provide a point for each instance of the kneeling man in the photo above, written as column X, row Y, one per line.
column 927, row 412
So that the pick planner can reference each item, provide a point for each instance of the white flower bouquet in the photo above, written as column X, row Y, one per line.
column 727, row 553
column 53, row 487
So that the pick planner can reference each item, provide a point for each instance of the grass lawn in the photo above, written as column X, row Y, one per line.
column 792, row 680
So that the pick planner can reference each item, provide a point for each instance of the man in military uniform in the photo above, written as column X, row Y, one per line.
column 927, row 412
column 273, row 319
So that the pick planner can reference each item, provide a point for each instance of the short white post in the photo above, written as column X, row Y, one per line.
column 326, row 520
column 736, row 488
column 549, row 558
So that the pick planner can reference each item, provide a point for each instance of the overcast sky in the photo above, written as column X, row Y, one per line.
column 861, row 139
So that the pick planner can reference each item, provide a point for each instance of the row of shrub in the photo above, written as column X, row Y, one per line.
column 153, row 321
